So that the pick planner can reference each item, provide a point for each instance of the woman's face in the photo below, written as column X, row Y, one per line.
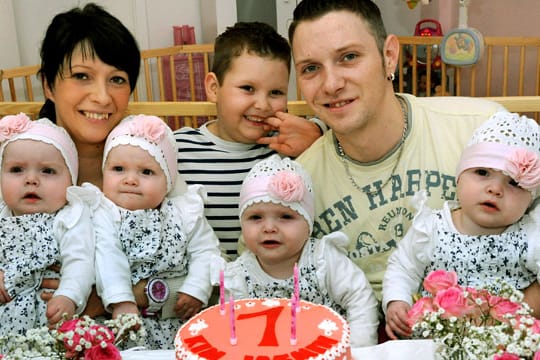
column 90, row 100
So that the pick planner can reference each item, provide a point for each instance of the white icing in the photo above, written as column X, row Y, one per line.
column 197, row 326
column 271, row 302
column 328, row 326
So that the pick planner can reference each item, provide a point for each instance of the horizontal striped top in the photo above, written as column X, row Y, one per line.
column 220, row 166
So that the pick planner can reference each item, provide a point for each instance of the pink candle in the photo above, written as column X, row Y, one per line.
column 293, row 319
column 296, row 287
column 222, row 292
column 233, row 321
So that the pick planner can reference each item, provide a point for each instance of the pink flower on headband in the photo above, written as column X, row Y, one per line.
column 13, row 124
column 151, row 128
column 287, row 186
column 524, row 167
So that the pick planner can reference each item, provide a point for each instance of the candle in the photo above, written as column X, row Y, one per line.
column 222, row 292
column 232, row 322
column 296, row 288
column 293, row 319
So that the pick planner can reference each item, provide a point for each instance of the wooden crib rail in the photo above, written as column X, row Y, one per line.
column 510, row 66
column 24, row 77
column 520, row 104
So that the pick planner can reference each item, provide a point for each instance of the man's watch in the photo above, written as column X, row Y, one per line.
column 157, row 292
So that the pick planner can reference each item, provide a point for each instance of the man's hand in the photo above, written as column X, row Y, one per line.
column 295, row 134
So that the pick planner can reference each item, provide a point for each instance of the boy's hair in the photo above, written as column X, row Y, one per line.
column 309, row 10
column 98, row 33
column 248, row 37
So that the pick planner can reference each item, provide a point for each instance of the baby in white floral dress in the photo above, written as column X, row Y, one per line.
column 149, row 225
column 45, row 225
column 276, row 216
column 492, row 232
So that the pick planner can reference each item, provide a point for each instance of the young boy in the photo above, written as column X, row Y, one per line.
column 248, row 83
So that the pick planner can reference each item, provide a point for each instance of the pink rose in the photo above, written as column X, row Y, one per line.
column 287, row 186
column 506, row 356
column 439, row 280
column 453, row 301
column 69, row 325
column 537, row 355
column 501, row 306
column 151, row 128
column 477, row 296
column 97, row 352
column 420, row 307
column 13, row 124
column 524, row 167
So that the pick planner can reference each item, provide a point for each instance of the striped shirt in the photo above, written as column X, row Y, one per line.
column 220, row 166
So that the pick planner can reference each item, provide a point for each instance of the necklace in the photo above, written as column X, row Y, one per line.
column 344, row 157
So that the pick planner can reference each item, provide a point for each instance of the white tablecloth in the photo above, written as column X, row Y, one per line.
column 390, row 350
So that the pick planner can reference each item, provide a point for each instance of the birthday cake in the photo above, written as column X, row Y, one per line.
column 267, row 329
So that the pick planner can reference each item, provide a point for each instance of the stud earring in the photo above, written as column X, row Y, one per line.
column 391, row 77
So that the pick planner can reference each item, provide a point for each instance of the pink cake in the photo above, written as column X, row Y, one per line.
column 263, row 332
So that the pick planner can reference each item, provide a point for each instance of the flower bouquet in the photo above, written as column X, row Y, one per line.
column 77, row 338
column 468, row 323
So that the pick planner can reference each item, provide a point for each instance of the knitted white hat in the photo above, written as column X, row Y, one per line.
column 151, row 134
column 21, row 127
column 279, row 181
column 509, row 143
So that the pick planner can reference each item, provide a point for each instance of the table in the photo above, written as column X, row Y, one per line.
column 390, row 350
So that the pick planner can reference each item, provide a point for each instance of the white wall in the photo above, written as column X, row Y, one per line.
column 9, row 56
column 23, row 23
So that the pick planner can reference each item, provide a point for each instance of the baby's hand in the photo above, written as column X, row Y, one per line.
column 396, row 320
column 125, row 307
column 57, row 307
column 187, row 306
column 4, row 295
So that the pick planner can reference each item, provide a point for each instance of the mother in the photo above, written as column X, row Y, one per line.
column 89, row 67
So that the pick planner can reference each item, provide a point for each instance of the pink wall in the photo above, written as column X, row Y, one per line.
column 492, row 18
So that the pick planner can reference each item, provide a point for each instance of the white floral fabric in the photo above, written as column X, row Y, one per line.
column 434, row 243
column 30, row 244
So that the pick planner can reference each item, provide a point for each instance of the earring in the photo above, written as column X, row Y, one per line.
column 391, row 77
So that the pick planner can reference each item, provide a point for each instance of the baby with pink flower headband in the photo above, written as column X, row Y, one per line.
column 151, row 229
column 509, row 143
column 491, row 232
column 45, row 223
column 279, row 181
column 283, row 259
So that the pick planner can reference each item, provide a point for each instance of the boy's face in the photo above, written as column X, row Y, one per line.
column 133, row 179
column 34, row 177
column 253, row 89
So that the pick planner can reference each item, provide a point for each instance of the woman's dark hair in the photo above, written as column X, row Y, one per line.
column 99, row 34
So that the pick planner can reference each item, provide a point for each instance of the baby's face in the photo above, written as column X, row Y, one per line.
column 490, row 201
column 274, row 233
column 253, row 89
column 133, row 179
column 34, row 177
